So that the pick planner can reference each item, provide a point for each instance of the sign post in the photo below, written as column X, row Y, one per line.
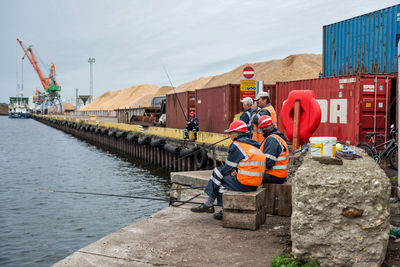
column 248, row 87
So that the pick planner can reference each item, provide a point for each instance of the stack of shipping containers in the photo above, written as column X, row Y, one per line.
column 358, row 92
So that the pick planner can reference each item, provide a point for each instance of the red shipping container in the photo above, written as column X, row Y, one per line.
column 351, row 106
column 175, row 114
column 217, row 106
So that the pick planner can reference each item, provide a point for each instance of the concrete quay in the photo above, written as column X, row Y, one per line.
column 175, row 236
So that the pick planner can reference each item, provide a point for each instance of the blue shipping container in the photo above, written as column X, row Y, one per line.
column 364, row 44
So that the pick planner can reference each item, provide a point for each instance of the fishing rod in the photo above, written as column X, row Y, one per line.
column 173, row 87
column 115, row 195
column 191, row 153
column 186, row 188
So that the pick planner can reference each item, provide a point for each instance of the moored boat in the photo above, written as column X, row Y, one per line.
column 19, row 107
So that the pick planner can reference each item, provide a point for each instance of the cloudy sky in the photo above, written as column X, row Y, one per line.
column 131, row 39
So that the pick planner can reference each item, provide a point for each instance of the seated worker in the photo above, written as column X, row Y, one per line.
column 247, row 114
column 243, row 170
column 191, row 125
column 264, row 103
column 276, row 151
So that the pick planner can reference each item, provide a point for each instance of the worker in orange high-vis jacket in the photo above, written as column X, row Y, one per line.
column 265, row 108
column 276, row 151
column 243, row 171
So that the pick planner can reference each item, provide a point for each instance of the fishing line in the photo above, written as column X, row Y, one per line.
column 191, row 153
column 115, row 195
column 179, row 102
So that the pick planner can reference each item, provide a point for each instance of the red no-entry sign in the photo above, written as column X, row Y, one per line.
column 248, row 72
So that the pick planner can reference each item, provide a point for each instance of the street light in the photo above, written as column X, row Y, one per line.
column 91, row 60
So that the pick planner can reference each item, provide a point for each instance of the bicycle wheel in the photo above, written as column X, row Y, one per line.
column 367, row 149
column 393, row 157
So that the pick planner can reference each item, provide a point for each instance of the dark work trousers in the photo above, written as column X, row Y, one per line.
column 270, row 179
column 188, row 128
column 219, row 184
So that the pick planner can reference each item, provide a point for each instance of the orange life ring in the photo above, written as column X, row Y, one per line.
column 310, row 113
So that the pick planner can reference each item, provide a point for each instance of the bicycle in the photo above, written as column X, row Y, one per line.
column 387, row 149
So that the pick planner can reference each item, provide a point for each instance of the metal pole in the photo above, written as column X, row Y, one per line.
column 386, row 104
column 76, row 98
column 375, row 90
column 16, row 69
column 22, row 78
column 91, row 60
column 398, row 117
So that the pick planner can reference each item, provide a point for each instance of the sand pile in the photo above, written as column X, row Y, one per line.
column 294, row 67
column 132, row 97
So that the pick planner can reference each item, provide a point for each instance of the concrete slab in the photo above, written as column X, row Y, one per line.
column 192, row 178
column 175, row 236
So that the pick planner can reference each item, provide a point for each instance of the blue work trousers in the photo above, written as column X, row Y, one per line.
column 218, row 184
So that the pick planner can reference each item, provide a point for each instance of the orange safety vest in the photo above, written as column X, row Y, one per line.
column 280, row 169
column 257, row 132
column 251, row 168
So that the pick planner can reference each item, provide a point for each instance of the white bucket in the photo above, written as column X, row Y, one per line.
column 323, row 146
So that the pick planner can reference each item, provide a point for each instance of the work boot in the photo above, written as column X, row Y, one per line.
column 218, row 215
column 203, row 208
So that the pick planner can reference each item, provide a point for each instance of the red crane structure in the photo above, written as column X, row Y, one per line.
column 51, row 94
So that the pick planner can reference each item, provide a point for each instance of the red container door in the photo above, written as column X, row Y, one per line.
column 178, row 108
column 216, row 107
column 374, row 106
column 211, row 109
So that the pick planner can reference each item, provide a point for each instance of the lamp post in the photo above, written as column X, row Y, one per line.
column 91, row 60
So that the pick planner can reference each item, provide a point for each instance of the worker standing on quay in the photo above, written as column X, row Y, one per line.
column 264, row 103
column 191, row 125
column 276, row 151
column 243, row 170
column 247, row 102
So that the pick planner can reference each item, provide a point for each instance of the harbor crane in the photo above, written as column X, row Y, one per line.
column 51, row 94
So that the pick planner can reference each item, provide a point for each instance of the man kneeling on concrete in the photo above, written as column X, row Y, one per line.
column 243, row 170
column 276, row 151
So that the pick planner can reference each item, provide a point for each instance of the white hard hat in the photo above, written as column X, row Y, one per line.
column 260, row 95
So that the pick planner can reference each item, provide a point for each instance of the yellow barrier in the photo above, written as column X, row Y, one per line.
column 202, row 137
column 166, row 132
column 122, row 126
column 211, row 138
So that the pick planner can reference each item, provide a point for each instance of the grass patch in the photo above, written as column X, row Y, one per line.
column 287, row 260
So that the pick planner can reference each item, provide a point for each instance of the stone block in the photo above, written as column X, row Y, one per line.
column 249, row 220
column 191, row 178
column 249, row 201
column 340, row 213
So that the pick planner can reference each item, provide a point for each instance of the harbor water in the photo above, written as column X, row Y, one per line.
column 39, row 228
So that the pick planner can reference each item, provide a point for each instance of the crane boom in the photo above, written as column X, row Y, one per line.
column 51, row 94
column 49, row 84
column 28, row 52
